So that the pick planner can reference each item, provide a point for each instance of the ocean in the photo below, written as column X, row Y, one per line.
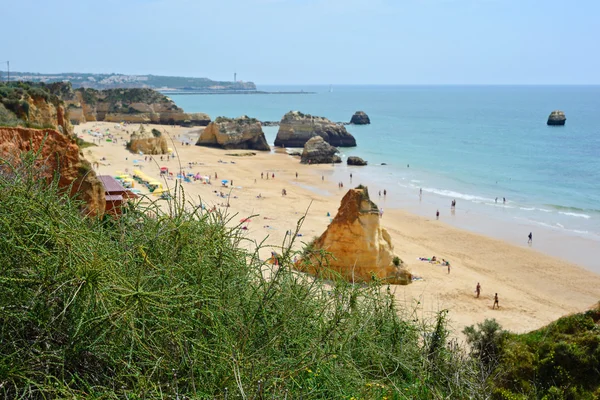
column 469, row 143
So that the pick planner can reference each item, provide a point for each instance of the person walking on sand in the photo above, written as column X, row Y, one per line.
column 261, row 175
column 384, row 192
column 448, row 264
column 504, row 200
column 478, row 289
column 322, row 177
column 437, row 214
column 530, row 238
column 350, row 177
column 496, row 302
column 296, row 175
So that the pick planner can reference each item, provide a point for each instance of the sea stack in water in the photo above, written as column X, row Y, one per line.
column 239, row 133
column 557, row 117
column 360, row 248
column 360, row 118
column 353, row 160
column 318, row 151
column 146, row 142
column 296, row 128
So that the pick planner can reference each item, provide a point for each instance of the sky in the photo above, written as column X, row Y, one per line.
column 310, row 41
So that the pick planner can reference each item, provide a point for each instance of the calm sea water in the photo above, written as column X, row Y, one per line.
column 469, row 143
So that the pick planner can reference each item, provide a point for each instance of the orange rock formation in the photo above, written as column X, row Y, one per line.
column 360, row 248
column 57, row 153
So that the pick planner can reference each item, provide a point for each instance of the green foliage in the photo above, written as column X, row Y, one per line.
column 560, row 361
column 397, row 261
column 171, row 305
column 486, row 340
column 156, row 133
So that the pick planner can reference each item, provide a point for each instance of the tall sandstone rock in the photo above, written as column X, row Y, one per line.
column 58, row 154
column 296, row 128
column 360, row 248
column 144, row 141
column 239, row 133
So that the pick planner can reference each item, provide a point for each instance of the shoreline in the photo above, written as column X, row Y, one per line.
column 534, row 288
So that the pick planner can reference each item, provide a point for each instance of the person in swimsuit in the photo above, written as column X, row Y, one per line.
column 478, row 289
column 496, row 302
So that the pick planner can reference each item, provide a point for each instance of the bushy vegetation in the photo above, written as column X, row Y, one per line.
column 559, row 361
column 170, row 305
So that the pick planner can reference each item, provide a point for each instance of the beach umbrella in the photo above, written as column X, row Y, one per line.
column 164, row 168
column 224, row 181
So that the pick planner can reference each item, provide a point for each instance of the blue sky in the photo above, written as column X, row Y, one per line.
column 311, row 41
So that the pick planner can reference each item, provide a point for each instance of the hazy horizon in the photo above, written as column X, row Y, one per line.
column 312, row 42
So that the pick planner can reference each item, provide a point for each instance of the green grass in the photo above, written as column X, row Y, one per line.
column 170, row 305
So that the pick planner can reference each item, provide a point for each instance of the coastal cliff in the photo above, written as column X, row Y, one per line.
column 58, row 156
column 239, row 133
column 129, row 105
column 360, row 248
column 296, row 128
column 32, row 105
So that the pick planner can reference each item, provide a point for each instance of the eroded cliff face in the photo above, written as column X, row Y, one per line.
column 360, row 248
column 129, row 105
column 240, row 133
column 145, row 142
column 57, row 154
column 296, row 128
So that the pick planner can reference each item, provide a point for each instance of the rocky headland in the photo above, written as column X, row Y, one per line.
column 240, row 133
column 128, row 105
column 557, row 118
column 296, row 128
column 318, row 151
column 360, row 248
column 360, row 118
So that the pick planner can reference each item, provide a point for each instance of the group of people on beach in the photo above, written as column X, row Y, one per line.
column 478, row 293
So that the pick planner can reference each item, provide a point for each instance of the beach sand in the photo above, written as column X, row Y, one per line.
column 533, row 288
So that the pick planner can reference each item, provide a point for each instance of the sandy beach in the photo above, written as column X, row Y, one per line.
column 533, row 288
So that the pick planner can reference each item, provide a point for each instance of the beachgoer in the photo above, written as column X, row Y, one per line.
column 273, row 175
column 296, row 175
column 350, row 177
column 504, row 200
column 261, row 175
column 384, row 192
column 496, row 200
column 232, row 182
column 448, row 265
column 421, row 192
column 381, row 213
column 322, row 177
column 496, row 302
column 437, row 214
column 380, row 193
column 530, row 238
column 407, row 165
column 478, row 289
column 216, row 176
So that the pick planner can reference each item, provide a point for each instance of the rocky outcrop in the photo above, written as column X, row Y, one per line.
column 296, row 128
column 239, row 133
column 144, row 141
column 129, row 105
column 318, row 151
column 57, row 155
column 557, row 117
column 360, row 118
column 33, row 105
column 360, row 248
column 353, row 160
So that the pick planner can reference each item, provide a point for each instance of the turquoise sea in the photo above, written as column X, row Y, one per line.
column 469, row 143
